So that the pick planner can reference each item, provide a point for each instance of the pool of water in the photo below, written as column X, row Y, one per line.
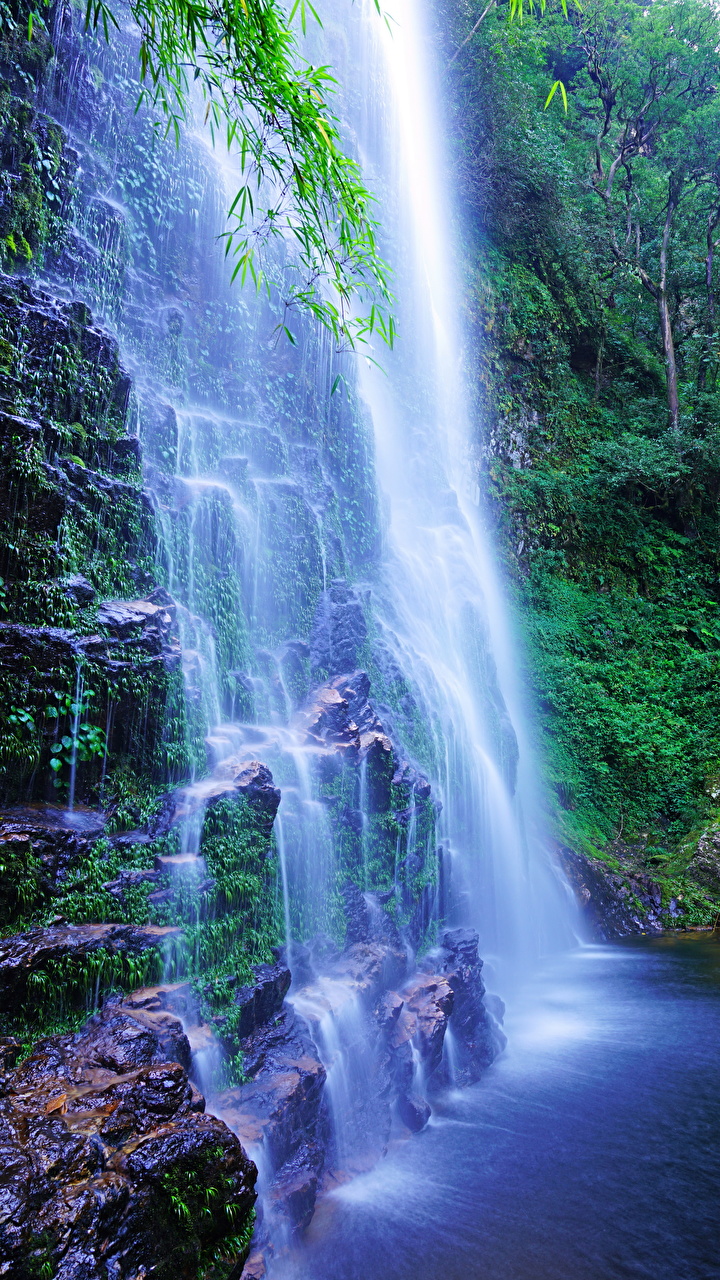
column 590, row 1150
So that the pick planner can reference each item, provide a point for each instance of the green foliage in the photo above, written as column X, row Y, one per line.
column 608, row 518
column 270, row 108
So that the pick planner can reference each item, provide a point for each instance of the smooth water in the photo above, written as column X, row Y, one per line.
column 590, row 1151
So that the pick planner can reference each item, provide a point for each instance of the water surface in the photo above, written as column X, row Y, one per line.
column 590, row 1151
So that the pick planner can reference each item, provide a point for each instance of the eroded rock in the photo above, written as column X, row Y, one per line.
column 108, row 1161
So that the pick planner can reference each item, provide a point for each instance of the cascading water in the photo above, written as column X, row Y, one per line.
column 305, row 535
column 437, row 600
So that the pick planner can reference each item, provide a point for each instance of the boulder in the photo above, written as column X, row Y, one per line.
column 248, row 780
column 108, row 1161
column 340, row 716
column 79, row 589
column 145, row 620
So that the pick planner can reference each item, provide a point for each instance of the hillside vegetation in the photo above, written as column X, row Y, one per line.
column 592, row 303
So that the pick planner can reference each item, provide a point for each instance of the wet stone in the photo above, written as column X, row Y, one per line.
column 101, row 1132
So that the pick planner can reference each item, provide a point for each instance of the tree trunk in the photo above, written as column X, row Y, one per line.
column 675, row 186
column 670, row 365
column 706, row 356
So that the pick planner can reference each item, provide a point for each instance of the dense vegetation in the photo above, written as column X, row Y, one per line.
column 592, row 301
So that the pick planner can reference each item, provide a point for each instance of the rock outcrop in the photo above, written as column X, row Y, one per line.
column 614, row 905
column 61, row 952
column 281, row 1110
column 340, row 716
column 108, row 1163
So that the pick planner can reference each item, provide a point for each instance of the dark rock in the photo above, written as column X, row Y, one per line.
column 103, row 1138
column 612, row 905
column 261, row 1001
column 340, row 716
column 414, row 1111
column 339, row 631
column 428, row 1004
column 365, row 919
column 29, row 953
column 128, row 619
column 281, row 1108
column 248, row 780
column 478, row 1039
column 49, row 840
column 79, row 589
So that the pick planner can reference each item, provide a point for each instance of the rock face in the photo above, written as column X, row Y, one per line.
column 46, row 842
column 63, row 950
column 281, row 1108
column 705, row 863
column 108, row 1162
column 613, row 905
column 339, row 632
column 339, row 715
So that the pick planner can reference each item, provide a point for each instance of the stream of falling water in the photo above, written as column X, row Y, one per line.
column 439, row 604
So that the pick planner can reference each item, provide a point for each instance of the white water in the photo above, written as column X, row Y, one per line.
column 244, row 476
column 440, row 604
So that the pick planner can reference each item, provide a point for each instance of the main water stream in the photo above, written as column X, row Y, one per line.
column 590, row 1150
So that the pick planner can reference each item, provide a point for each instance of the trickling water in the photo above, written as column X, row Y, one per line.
column 75, row 730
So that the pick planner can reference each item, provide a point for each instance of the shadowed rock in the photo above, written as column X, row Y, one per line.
column 29, row 953
column 108, row 1160
column 281, row 1109
column 613, row 905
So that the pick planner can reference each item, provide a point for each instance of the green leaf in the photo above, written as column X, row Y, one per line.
column 557, row 85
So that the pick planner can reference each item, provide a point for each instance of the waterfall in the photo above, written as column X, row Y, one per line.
column 328, row 551
column 438, row 600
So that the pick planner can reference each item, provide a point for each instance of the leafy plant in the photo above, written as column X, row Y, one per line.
column 85, row 740
column 271, row 109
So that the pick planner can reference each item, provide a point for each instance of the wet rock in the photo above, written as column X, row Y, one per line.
column 261, row 1001
column 26, row 954
column 369, row 968
column 248, row 780
column 414, row 1111
column 428, row 1004
column 47, row 839
column 139, row 619
column 281, row 1109
column 339, row 631
column 79, row 589
column 365, row 919
column 612, row 905
column 339, row 715
column 478, row 1039
column 255, row 783
column 108, row 1160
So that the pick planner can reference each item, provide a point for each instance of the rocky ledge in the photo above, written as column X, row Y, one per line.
column 109, row 1167
column 614, row 905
